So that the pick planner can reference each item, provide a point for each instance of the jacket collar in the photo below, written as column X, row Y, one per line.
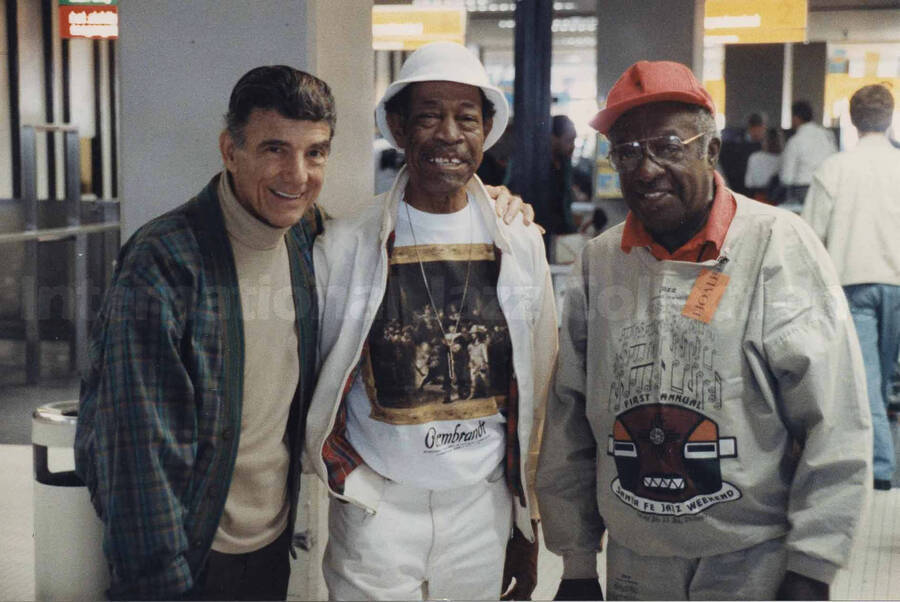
column 874, row 140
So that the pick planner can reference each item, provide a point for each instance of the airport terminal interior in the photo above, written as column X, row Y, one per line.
column 110, row 112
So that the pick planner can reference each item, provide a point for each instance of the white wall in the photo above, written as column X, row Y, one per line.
column 178, row 63
column 648, row 30
column 342, row 47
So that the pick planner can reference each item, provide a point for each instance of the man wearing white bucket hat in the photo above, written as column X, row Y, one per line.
column 438, row 333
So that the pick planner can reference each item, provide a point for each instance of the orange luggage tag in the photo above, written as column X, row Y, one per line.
column 708, row 289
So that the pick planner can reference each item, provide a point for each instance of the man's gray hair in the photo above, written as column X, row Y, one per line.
column 706, row 123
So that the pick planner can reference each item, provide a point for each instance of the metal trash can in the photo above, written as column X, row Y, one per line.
column 68, row 552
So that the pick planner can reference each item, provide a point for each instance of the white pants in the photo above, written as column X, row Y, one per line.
column 420, row 544
column 750, row 574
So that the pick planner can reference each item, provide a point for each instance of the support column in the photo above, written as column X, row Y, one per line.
column 653, row 30
column 531, row 110
column 178, row 63
column 341, row 48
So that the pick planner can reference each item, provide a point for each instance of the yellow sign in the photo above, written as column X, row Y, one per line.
column 757, row 22
column 406, row 27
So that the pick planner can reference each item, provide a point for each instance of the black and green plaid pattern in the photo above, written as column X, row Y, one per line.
column 160, row 406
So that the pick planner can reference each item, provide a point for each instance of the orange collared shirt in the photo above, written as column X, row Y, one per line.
column 703, row 246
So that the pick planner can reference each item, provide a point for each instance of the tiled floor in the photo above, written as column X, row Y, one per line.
column 874, row 572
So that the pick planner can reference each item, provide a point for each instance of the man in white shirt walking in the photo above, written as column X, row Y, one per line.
column 854, row 207
column 804, row 152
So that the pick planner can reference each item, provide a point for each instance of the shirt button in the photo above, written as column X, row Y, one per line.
column 197, row 543
column 227, row 433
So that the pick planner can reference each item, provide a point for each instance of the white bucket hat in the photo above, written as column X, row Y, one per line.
column 451, row 62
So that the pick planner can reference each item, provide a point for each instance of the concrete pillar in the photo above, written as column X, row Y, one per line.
column 341, row 48
column 178, row 63
column 531, row 129
column 652, row 30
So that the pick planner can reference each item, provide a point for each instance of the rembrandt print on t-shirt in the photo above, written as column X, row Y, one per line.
column 439, row 347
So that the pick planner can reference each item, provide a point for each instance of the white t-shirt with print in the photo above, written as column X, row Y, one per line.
column 424, row 409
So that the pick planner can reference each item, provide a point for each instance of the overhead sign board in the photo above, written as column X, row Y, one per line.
column 89, row 20
column 757, row 22
column 406, row 27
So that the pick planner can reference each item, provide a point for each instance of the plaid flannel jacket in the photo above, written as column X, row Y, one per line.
column 160, row 413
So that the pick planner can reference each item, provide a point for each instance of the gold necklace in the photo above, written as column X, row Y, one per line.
column 447, row 340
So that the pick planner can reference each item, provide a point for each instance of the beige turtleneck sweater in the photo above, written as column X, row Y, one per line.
column 256, row 510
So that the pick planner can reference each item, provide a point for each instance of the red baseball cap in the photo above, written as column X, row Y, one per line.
column 651, row 81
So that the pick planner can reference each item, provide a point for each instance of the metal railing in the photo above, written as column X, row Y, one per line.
column 31, row 236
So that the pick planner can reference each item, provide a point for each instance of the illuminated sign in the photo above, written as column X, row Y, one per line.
column 406, row 27
column 84, row 20
column 757, row 22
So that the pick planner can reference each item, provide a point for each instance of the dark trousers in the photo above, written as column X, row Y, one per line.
column 259, row 575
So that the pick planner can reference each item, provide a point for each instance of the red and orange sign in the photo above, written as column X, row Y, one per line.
column 95, row 20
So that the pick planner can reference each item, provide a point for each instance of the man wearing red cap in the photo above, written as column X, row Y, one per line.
column 709, row 403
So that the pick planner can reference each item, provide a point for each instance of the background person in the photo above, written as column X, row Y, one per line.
column 854, row 207
column 804, row 151
column 761, row 180
column 736, row 151
column 701, row 342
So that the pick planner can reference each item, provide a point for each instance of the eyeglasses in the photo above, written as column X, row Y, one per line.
column 664, row 150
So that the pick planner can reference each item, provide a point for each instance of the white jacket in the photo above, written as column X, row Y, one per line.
column 854, row 207
column 351, row 276
column 677, row 434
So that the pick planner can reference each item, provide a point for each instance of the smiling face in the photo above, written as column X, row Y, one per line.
column 443, row 135
column 672, row 200
column 279, row 170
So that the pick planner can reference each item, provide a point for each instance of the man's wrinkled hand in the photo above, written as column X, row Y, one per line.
column 509, row 205
column 798, row 587
column 579, row 589
column 521, row 565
